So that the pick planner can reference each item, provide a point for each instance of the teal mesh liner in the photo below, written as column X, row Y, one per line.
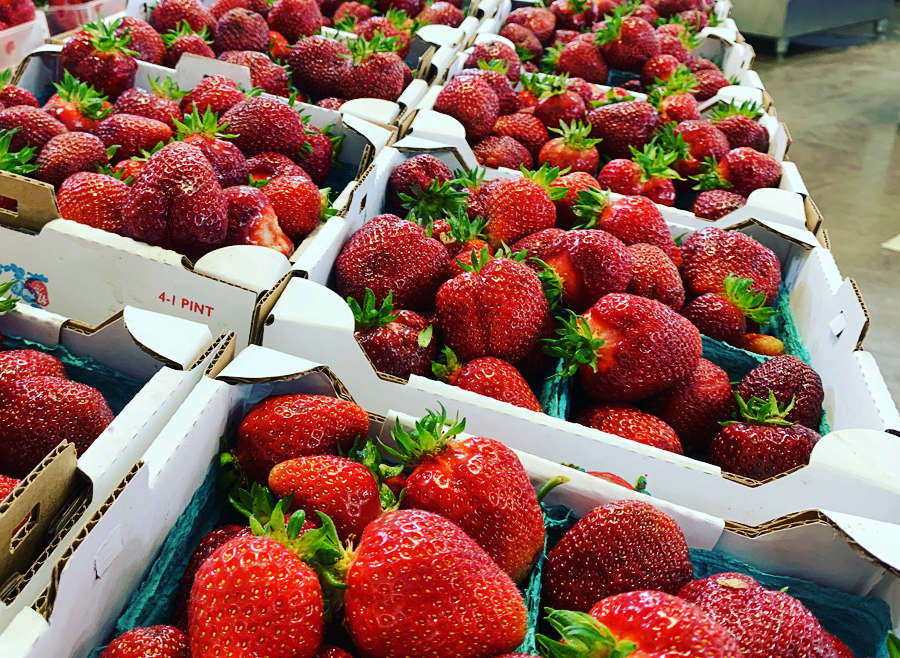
column 555, row 395
column 117, row 388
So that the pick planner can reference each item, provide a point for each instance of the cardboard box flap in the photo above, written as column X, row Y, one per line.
column 35, row 202
column 34, row 324
column 374, row 109
column 248, row 266
column 256, row 363
column 798, row 235
column 312, row 303
column 881, row 540
column 850, row 452
column 791, row 179
column 166, row 337
column 117, row 242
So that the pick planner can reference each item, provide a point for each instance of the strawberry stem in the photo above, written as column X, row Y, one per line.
column 430, row 435
column 751, row 303
column 551, row 282
column 550, row 485
column 760, row 411
column 437, row 201
column 368, row 316
column 589, row 207
column 576, row 345
column 447, row 370
column 582, row 636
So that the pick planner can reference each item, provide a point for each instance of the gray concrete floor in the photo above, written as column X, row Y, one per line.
column 839, row 94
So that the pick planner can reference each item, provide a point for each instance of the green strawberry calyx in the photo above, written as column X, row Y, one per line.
column 688, row 36
column 447, row 366
column 469, row 179
column 347, row 23
column 208, row 125
column 464, row 228
column 534, row 82
column 551, row 282
column 495, row 65
column 681, row 81
column 436, row 201
column 612, row 26
column 553, row 85
column 7, row 300
column 399, row 19
column 710, row 178
column 479, row 259
column 762, row 411
column 184, row 29
column 369, row 315
column 740, row 293
column 582, row 635
column 544, row 176
column 18, row 162
column 576, row 345
column 167, row 88
column 893, row 645
column 655, row 162
column 724, row 110
column 610, row 98
column 105, row 40
column 362, row 49
column 87, row 100
column 551, row 58
column 431, row 434
column 589, row 206
column 5, row 78
column 576, row 135
column 671, row 142
column 370, row 456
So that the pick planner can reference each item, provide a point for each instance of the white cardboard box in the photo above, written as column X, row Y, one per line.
column 19, row 40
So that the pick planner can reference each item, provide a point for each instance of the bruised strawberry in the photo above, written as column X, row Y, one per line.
column 263, row 124
column 132, row 134
column 215, row 92
column 792, row 382
column 541, row 21
column 295, row 18
column 654, row 275
column 619, row 547
column 160, row 641
column 29, row 126
column 77, row 104
column 487, row 375
column 252, row 220
column 298, row 203
column 627, row 42
column 101, row 57
column 573, row 184
column 715, row 204
column 526, row 129
column 183, row 39
column 207, row 134
column 488, row 51
column 93, row 199
column 506, row 152
column 632, row 424
column 738, row 123
column 318, row 65
column 67, row 154
column 471, row 101
column 153, row 105
column 169, row 14
column 623, row 125
column 21, row 364
column 647, row 174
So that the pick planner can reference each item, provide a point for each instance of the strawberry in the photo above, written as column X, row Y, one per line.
column 208, row 135
column 670, row 44
column 344, row 490
column 357, row 10
column 841, row 650
column 318, row 65
column 573, row 184
column 394, row 26
column 764, row 622
column 506, row 152
column 694, row 18
column 511, row 330
column 626, row 348
column 527, row 46
column 11, row 95
column 792, row 382
column 695, row 142
column 278, row 47
column 428, row 568
column 17, row 12
column 627, row 42
column 160, row 104
column 573, row 14
column 264, row 73
column 7, row 486
column 330, row 651
column 738, row 123
column 526, row 129
column 295, row 18
column 763, row 443
column 169, row 14
column 650, row 623
column 241, row 29
column 488, row 51
column 658, row 69
column 132, row 134
column 183, row 39
column 263, row 124
column 22, row 364
column 252, row 220
column 709, row 82
column 215, row 92
column 632, row 219
column 582, row 58
column 761, row 344
column 647, row 174
column 654, row 275
column 397, row 343
column 267, row 165
column 581, row 265
column 77, row 104
column 516, row 207
column 219, row 7
column 29, row 127
column 93, row 199
column 463, row 237
column 389, row 254
column 100, row 57
column 413, row 177
column 331, row 103
column 409, row 7
column 145, row 40
column 38, row 413
column 442, row 13
column 67, row 154
column 160, row 641
column 298, row 203
column 673, row 97
column 478, row 484
column 323, row 148
column 177, row 202
column 557, row 103
column 376, row 71
column 632, row 424
column 712, row 254
column 494, row 73
column 724, row 317
column 541, row 21
column 623, row 125
column 715, row 204
column 614, row 479
column 699, row 64
column 472, row 102
column 619, row 547
column 572, row 150
column 666, row 8
column 695, row 407
column 488, row 376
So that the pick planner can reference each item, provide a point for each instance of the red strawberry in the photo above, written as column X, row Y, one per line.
column 241, row 29
column 344, row 490
column 355, row 10
column 619, row 547
column 295, row 18
column 670, row 44
column 331, row 103
column 316, row 161
column 738, row 123
column 145, row 40
column 132, row 134
column 100, row 57
column 215, row 92
column 527, row 46
column 441, row 13
column 17, row 12
column 695, row 407
column 413, row 177
column 841, row 649
column 764, row 622
column 392, row 26
column 563, row 36
column 219, row 7
column 632, row 219
column 647, row 174
column 7, row 486
column 77, row 104
column 613, row 478
column 427, row 568
column 526, row 129
column 472, row 102
column 67, row 154
column 582, row 58
column 397, row 343
column 491, row 50
column 252, row 220
column 11, row 95
column 516, row 207
column 626, row 348
column 654, row 275
column 572, row 150
column 622, row 125
column 375, row 70
column 278, row 48
column 673, row 98
column 694, row 18
column 161, row 641
column 649, row 622
column 298, row 203
column 541, row 21
column 715, row 204
column 183, row 39
column 477, row 483
column 709, row 82
column 93, row 199
column 488, row 376
column 502, row 152
column 699, row 63
column 792, row 382
column 724, row 317
column 631, row 423
column 574, row 184
column 38, row 413
column 658, row 69
column 392, row 254
column 158, row 104
column 208, row 135
column 264, row 73
column 168, row 14
column 29, row 126
column 268, row 165
column 699, row 141
column 494, row 74
column 712, row 254
column 329, row 651
column 21, row 364
column 558, row 103
column 573, row 14
column 177, row 202
column 318, row 65
column 263, row 124
column 627, row 43
column 666, row 8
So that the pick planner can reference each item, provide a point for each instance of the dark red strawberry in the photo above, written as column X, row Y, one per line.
column 413, row 177
column 183, row 39
column 442, row 13
column 658, row 69
column 648, row 173
column 219, row 7
column 356, row 10
column 215, row 92
column 12, row 95
column 670, row 44
column 17, row 12
column 792, row 382
column 264, row 73
column 241, row 29
column 573, row 14
column 67, row 154
column 318, row 65
column 557, row 103
column 573, row 184
column 666, row 8
column 331, row 103
column 207, row 134
column 696, row 407
column 160, row 641
column 29, row 127
column 101, row 57
column 298, row 203
column 472, row 102
column 526, row 129
column 145, row 40
column 709, row 82
column 491, row 50
column 738, row 123
column 263, row 124
column 398, row 343
column 77, row 104
column 323, row 147
column 633, row 424
column 21, row 364
column 506, row 152
column 725, row 316
column 376, row 71
column 516, row 207
column 627, row 42
column 160, row 104
column 619, row 547
column 715, row 204
column 288, row 426
column 494, row 73
column 541, row 21
column 527, row 46
column 295, row 18
column 654, row 275
column 252, row 220
column 268, row 165
column 132, row 134
column 93, row 199
column 572, row 150
column 712, row 254
column 488, row 376
column 582, row 58
column 168, row 14
column 38, row 413
column 623, row 125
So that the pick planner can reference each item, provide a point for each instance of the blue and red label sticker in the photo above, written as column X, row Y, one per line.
column 30, row 287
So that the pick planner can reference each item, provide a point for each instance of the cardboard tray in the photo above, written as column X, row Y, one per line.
column 166, row 356
column 107, row 561
column 231, row 288
column 849, row 470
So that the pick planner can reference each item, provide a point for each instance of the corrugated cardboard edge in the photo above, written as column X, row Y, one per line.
column 264, row 304
column 225, row 349
column 814, row 218
column 340, row 390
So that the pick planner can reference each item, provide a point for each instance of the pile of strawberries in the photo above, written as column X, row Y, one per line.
column 191, row 171
column 594, row 284
column 661, row 147
column 352, row 555
column 15, row 12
